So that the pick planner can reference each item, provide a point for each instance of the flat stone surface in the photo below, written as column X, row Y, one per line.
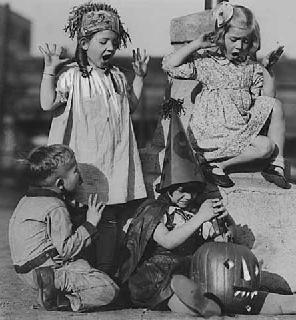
column 269, row 213
column 190, row 27
column 266, row 213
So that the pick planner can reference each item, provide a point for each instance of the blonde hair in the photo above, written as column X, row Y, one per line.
column 244, row 17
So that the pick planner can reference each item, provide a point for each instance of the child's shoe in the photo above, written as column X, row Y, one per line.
column 47, row 293
column 190, row 294
column 275, row 174
column 218, row 176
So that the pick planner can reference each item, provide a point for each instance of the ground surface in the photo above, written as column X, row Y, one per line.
column 16, row 300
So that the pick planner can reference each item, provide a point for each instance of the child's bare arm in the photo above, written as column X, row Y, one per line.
column 172, row 239
column 51, row 54
column 140, row 66
column 269, row 88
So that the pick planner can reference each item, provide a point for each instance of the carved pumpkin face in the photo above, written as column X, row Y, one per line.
column 228, row 271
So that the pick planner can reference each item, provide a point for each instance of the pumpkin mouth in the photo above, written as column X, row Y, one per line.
column 244, row 293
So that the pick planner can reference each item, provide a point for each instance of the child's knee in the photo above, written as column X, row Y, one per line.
column 277, row 110
column 265, row 147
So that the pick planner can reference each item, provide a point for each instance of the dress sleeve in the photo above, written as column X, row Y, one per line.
column 184, row 71
column 257, row 81
column 60, row 231
column 63, row 85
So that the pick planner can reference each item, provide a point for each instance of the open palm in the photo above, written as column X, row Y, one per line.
column 140, row 62
column 52, row 55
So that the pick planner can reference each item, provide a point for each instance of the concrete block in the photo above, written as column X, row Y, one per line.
column 269, row 214
column 266, row 213
column 187, row 28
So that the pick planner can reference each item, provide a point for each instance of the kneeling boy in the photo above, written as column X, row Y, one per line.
column 44, row 248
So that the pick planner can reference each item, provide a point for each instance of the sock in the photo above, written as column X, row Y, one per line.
column 279, row 163
column 216, row 169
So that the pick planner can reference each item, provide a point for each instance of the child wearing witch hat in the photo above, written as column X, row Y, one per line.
column 165, row 232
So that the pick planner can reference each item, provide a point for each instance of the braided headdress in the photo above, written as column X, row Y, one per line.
column 91, row 17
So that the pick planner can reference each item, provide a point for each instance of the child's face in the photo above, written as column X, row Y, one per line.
column 237, row 44
column 71, row 178
column 182, row 198
column 102, row 47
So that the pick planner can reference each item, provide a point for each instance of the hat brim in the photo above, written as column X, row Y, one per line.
column 191, row 186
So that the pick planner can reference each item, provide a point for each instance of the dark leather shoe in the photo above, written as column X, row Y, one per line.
column 220, row 180
column 273, row 176
column 190, row 294
column 47, row 293
column 63, row 303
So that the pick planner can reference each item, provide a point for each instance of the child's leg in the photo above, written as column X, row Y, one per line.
column 85, row 286
column 275, row 172
column 275, row 304
column 277, row 128
column 106, row 241
column 188, row 298
column 261, row 148
column 276, row 132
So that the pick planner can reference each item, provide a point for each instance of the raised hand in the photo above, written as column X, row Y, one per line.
column 95, row 209
column 52, row 56
column 272, row 57
column 211, row 209
column 219, row 209
column 140, row 62
column 207, row 40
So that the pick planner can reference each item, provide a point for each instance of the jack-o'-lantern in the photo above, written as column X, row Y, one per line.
column 228, row 271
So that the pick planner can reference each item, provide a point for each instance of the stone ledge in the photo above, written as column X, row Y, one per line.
column 269, row 216
column 190, row 27
column 265, row 212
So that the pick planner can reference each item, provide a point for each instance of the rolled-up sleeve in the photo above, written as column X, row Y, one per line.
column 64, row 83
column 60, row 230
column 184, row 71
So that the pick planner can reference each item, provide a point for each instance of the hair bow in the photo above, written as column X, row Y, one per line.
column 223, row 13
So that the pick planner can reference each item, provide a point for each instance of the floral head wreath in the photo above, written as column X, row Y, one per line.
column 223, row 14
column 89, row 18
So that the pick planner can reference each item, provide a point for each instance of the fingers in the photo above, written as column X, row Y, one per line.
column 210, row 36
column 58, row 50
column 93, row 202
column 140, row 57
column 42, row 50
column 100, row 206
column 50, row 49
column 219, row 208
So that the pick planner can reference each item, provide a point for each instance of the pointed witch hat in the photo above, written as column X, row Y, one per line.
column 179, row 165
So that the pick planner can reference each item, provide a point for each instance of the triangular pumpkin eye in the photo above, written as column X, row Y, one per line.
column 256, row 270
column 245, row 271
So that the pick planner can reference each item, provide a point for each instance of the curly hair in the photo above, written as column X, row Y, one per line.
column 241, row 13
column 73, row 28
column 45, row 163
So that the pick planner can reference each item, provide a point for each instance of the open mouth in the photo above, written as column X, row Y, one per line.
column 237, row 56
column 107, row 57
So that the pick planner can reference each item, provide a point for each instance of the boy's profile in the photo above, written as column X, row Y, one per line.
column 44, row 248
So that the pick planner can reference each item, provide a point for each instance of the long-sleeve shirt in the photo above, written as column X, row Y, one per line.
column 41, row 223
